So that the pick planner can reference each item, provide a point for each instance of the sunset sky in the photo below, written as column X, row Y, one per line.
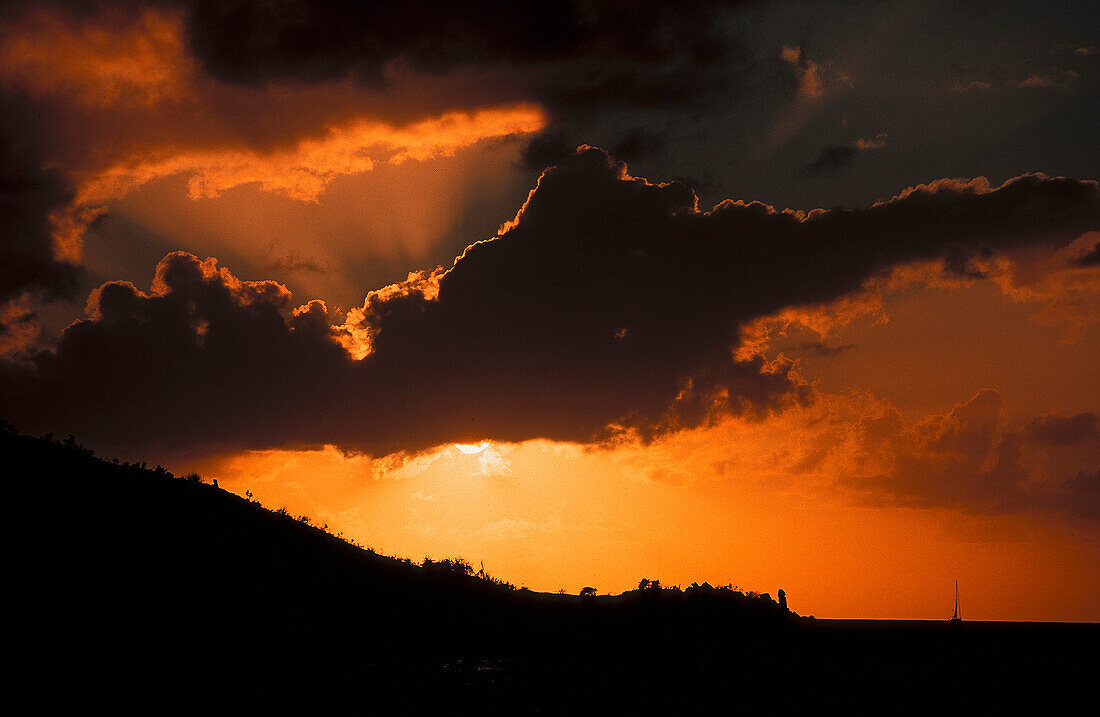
column 799, row 295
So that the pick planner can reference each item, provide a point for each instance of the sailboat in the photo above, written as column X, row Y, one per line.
column 956, row 617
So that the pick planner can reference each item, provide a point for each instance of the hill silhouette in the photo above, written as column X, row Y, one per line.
column 126, row 577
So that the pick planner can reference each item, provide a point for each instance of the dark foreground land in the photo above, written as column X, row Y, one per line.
column 129, row 586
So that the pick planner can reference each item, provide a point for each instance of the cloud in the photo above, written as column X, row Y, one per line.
column 30, row 259
column 298, row 265
column 245, row 43
column 114, row 57
column 185, row 361
column 608, row 306
column 959, row 459
column 1064, row 430
column 810, row 82
column 301, row 172
column 833, row 158
column 129, row 106
column 571, row 53
column 966, row 459
column 1063, row 282
column 639, row 142
column 972, row 86
column 857, row 447
column 551, row 146
column 492, row 462
column 817, row 348
column 1055, row 80
column 1082, row 493
column 865, row 143
column 19, row 330
column 304, row 170
column 547, row 149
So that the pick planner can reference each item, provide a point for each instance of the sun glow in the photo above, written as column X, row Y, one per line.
column 471, row 448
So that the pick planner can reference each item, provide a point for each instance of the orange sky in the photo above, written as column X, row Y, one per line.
column 732, row 504
column 951, row 428
column 560, row 519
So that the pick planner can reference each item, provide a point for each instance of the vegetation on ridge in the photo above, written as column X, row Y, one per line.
column 70, row 463
column 127, row 574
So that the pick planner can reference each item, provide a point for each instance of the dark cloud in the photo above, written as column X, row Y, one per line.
column 960, row 460
column 959, row 260
column 1082, row 494
column 28, row 194
column 553, row 146
column 201, row 358
column 546, row 149
column 574, row 52
column 1064, row 430
column 19, row 330
column 1092, row 258
column 819, row 349
column 248, row 41
column 832, row 159
column 966, row 459
column 639, row 142
column 609, row 301
column 297, row 265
